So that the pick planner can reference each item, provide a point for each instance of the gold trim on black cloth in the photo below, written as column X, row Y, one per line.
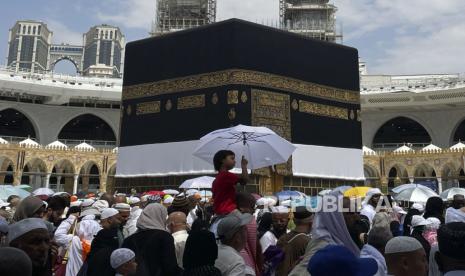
column 323, row 110
column 272, row 110
column 148, row 107
column 195, row 101
column 240, row 77
column 233, row 97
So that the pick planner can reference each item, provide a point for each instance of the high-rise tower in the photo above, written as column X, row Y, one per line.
column 28, row 46
column 103, row 51
column 313, row 18
column 175, row 15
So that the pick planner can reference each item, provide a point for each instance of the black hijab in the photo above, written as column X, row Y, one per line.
column 434, row 208
column 201, row 250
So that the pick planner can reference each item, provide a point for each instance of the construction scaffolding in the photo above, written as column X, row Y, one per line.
column 312, row 18
column 175, row 15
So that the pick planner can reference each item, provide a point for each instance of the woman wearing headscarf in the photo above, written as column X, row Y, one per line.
column 408, row 220
column 331, row 227
column 81, row 245
column 200, row 254
column 152, row 244
column 434, row 208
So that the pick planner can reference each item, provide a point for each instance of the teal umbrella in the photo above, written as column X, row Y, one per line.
column 8, row 190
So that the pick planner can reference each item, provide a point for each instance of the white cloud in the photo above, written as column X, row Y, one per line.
column 261, row 11
column 131, row 13
column 62, row 33
column 438, row 52
column 414, row 36
column 425, row 36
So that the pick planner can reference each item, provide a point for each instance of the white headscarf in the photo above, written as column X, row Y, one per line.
column 153, row 217
column 88, row 229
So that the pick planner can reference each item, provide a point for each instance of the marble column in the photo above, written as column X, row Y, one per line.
column 439, row 184
column 75, row 183
column 47, row 180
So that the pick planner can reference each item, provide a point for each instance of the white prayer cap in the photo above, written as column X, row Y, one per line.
column 134, row 200
column 261, row 201
column 434, row 222
column 168, row 200
column 87, row 202
column 270, row 201
column 373, row 191
column 280, row 210
column 121, row 256
column 89, row 211
column 418, row 206
column 100, row 204
column 399, row 210
column 108, row 212
column 4, row 204
column 24, row 226
column 419, row 221
column 402, row 244
column 76, row 203
column 286, row 203
column 122, row 207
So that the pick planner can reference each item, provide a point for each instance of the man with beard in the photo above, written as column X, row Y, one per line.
column 280, row 218
column 337, row 226
column 54, row 211
column 370, row 203
column 124, row 211
column 104, row 243
column 31, row 236
column 295, row 242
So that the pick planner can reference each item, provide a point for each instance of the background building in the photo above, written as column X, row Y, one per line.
column 175, row 15
column 313, row 18
column 28, row 46
column 103, row 48
column 424, row 112
column 30, row 49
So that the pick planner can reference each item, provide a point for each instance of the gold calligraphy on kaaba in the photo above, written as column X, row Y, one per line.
column 323, row 110
column 241, row 77
column 195, row 101
column 148, row 108
column 272, row 110
column 233, row 97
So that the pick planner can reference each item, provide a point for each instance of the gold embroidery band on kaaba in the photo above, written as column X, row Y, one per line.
column 323, row 110
column 148, row 108
column 195, row 101
column 241, row 77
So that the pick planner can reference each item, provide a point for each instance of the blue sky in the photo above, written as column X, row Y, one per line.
column 392, row 36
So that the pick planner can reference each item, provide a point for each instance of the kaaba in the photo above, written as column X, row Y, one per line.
column 180, row 86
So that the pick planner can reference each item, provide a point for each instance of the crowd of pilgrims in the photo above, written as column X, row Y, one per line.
column 232, row 233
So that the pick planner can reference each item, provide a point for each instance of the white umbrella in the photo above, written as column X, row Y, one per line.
column 416, row 194
column 43, row 191
column 449, row 193
column 402, row 187
column 171, row 192
column 203, row 182
column 259, row 145
column 324, row 192
column 191, row 192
